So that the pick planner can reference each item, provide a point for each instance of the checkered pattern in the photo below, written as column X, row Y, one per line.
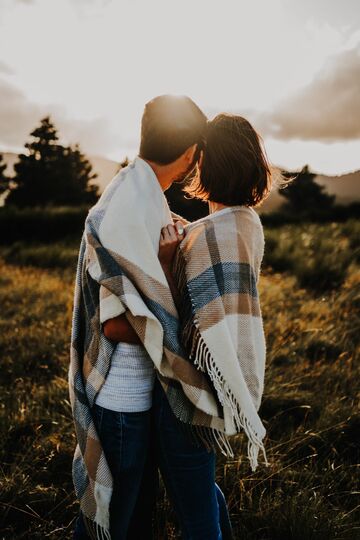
column 118, row 254
column 217, row 270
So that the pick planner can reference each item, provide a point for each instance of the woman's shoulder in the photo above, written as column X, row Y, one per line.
column 226, row 229
column 225, row 218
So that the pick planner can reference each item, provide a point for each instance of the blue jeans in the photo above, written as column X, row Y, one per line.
column 130, row 441
column 126, row 441
column 188, row 472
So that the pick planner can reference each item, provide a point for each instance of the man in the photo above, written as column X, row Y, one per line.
column 113, row 393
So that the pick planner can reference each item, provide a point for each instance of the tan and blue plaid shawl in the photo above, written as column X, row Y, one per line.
column 118, row 255
column 118, row 265
column 217, row 270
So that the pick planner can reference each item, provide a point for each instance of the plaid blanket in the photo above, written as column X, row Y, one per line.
column 119, row 272
column 211, row 365
column 217, row 270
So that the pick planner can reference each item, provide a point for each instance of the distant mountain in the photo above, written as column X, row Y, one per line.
column 105, row 169
column 10, row 159
column 346, row 187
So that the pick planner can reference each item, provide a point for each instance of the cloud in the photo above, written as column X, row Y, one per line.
column 19, row 117
column 4, row 68
column 326, row 110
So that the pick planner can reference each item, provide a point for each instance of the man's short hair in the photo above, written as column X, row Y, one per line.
column 170, row 125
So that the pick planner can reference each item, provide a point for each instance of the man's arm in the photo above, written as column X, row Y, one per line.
column 120, row 330
column 115, row 325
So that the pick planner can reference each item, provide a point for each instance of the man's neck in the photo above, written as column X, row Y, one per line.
column 164, row 174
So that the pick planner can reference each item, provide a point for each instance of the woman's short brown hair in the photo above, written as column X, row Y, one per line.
column 235, row 169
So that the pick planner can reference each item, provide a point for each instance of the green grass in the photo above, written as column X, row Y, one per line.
column 318, row 255
column 56, row 255
column 310, row 406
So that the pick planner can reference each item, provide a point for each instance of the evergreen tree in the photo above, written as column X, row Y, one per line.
column 303, row 194
column 51, row 174
column 4, row 180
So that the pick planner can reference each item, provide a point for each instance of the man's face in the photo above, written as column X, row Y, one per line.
column 182, row 175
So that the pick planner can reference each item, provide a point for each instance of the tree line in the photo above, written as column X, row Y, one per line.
column 49, row 173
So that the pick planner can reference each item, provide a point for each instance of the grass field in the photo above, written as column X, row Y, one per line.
column 310, row 293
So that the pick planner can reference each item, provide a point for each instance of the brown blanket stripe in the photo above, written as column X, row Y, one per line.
column 190, row 374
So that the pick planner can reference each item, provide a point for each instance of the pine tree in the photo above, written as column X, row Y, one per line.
column 51, row 174
column 303, row 194
column 4, row 180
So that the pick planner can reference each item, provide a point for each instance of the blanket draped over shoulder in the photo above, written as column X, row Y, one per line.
column 119, row 272
column 217, row 270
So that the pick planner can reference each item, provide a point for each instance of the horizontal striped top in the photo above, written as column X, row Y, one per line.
column 130, row 381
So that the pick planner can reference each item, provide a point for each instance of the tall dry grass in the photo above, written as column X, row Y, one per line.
column 310, row 406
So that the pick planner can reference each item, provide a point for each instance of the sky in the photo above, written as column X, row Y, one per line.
column 291, row 67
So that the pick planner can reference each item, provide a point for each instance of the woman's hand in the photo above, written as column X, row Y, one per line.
column 170, row 237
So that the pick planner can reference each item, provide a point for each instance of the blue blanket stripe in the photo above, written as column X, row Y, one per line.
column 170, row 325
column 80, row 474
column 110, row 268
column 222, row 278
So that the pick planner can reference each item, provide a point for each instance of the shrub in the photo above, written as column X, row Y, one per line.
column 46, row 224
column 318, row 255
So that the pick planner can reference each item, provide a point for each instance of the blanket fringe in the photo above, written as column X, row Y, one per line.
column 202, row 358
column 96, row 531
column 209, row 437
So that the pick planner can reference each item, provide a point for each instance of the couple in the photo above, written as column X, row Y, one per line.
column 168, row 349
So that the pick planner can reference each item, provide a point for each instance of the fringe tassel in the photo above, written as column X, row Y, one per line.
column 212, row 438
column 96, row 531
column 202, row 358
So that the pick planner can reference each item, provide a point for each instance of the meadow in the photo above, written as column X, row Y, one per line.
column 310, row 296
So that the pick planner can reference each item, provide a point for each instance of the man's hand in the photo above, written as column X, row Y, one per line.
column 170, row 237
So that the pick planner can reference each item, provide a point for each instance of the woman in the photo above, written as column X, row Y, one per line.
column 213, row 277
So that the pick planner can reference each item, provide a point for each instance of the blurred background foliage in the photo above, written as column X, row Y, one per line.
column 310, row 298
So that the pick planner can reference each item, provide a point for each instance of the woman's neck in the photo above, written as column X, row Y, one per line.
column 215, row 206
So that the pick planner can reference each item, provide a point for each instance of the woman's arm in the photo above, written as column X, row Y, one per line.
column 120, row 330
column 172, row 285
